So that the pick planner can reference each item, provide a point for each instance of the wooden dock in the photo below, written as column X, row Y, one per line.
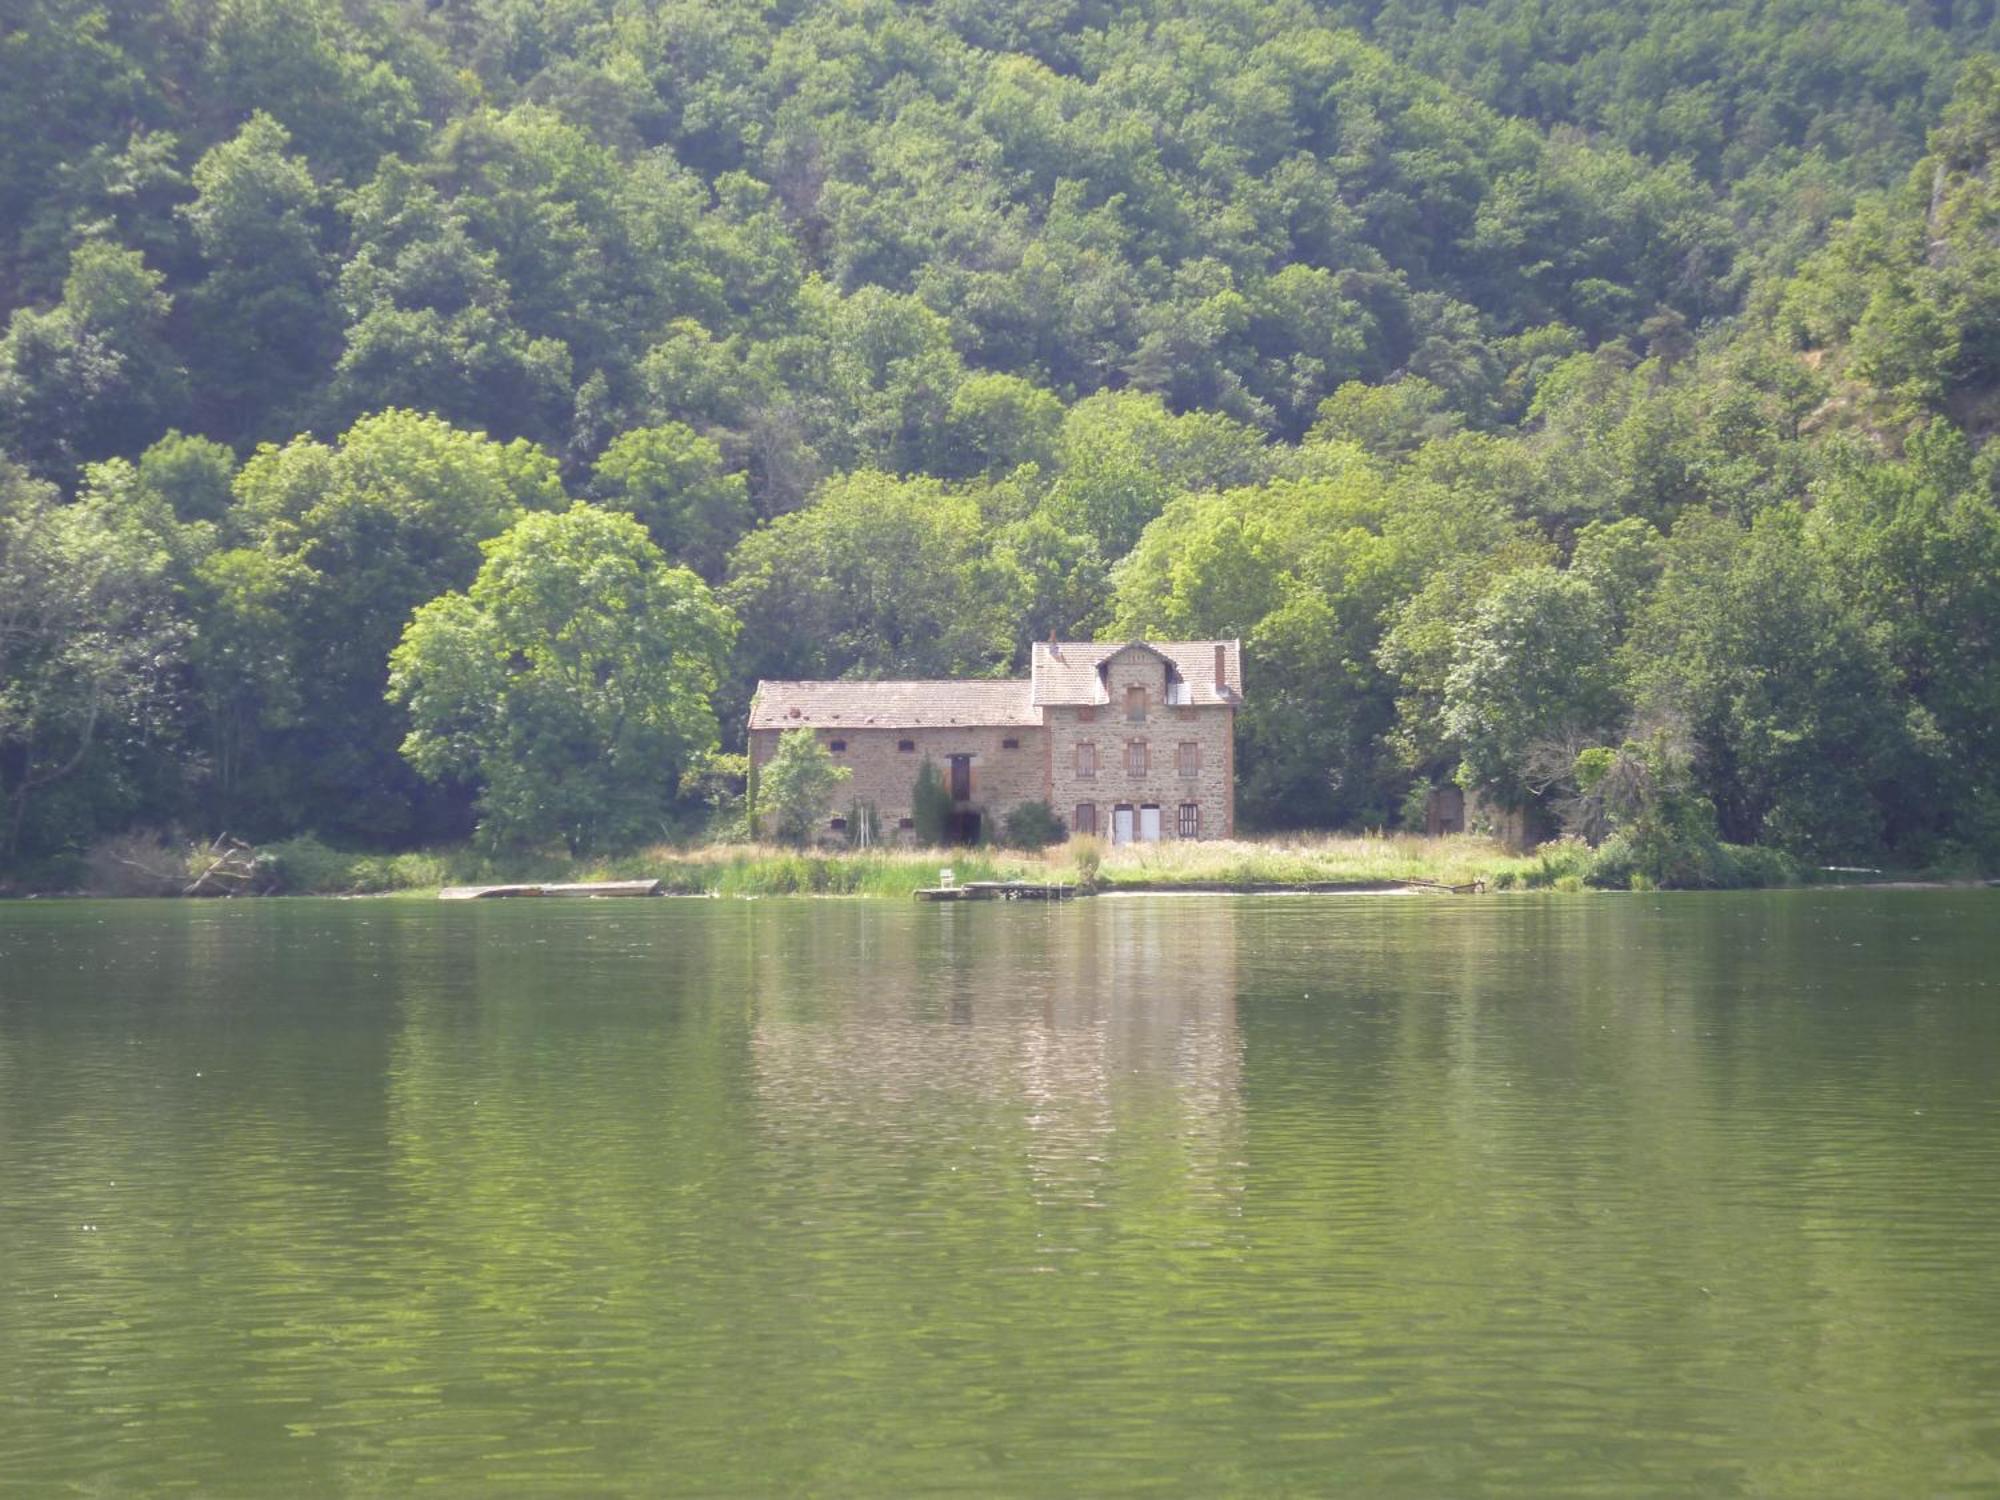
column 585, row 888
column 1003, row 890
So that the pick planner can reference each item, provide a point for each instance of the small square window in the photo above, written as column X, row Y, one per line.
column 1010, row 744
column 906, row 746
column 838, row 825
column 906, row 822
column 836, row 746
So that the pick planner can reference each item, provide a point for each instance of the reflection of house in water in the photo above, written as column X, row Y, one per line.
column 1036, row 1031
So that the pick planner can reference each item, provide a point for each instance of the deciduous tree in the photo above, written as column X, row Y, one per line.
column 572, row 682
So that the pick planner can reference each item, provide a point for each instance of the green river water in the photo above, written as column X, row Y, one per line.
column 1508, row 1195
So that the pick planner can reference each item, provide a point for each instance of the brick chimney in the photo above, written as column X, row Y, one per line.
column 1221, row 668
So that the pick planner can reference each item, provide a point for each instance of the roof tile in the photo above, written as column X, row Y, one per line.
column 1064, row 673
column 891, row 705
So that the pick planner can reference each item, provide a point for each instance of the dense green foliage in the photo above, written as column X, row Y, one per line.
column 798, row 785
column 571, row 683
column 1516, row 380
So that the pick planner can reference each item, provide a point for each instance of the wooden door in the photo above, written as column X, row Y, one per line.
column 1149, row 825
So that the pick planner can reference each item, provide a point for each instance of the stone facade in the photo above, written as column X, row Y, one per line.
column 1006, row 766
column 1160, row 720
column 1161, row 732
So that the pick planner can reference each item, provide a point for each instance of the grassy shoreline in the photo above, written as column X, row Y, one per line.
column 136, row 865
column 1280, row 862
column 755, row 870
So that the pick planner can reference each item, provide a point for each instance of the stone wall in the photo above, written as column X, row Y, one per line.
column 1164, row 729
column 1002, row 778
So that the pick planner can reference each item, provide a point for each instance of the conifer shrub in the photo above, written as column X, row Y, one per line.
column 930, row 805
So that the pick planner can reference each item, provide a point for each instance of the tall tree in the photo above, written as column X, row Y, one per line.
column 90, row 650
column 571, row 682
column 388, row 517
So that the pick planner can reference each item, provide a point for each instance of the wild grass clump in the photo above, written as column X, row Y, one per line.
column 770, row 870
column 1560, row 864
column 1358, row 860
column 1085, row 854
column 304, row 866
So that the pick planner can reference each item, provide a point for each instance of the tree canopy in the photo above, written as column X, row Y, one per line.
column 1517, row 380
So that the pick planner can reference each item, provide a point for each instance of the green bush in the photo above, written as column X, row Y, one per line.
column 308, row 867
column 797, row 787
column 1034, row 825
column 1755, row 865
column 1556, row 861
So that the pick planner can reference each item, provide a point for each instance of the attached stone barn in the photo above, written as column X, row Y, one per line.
column 1133, row 741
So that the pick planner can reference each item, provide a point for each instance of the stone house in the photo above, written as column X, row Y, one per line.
column 1129, row 740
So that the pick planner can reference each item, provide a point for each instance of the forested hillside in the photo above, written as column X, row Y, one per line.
column 421, row 413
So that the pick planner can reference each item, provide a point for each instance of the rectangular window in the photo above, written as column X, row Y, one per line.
column 1190, row 758
column 836, row 746
column 1190, row 820
column 1138, row 760
column 1135, row 703
column 906, row 822
column 1086, row 759
column 906, row 746
column 1085, row 819
column 1010, row 744
column 838, row 825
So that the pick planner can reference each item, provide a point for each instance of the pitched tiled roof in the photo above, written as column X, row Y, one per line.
column 1067, row 671
column 891, row 705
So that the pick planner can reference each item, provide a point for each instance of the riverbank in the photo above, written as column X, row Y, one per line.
column 305, row 866
column 743, row 870
column 133, row 866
